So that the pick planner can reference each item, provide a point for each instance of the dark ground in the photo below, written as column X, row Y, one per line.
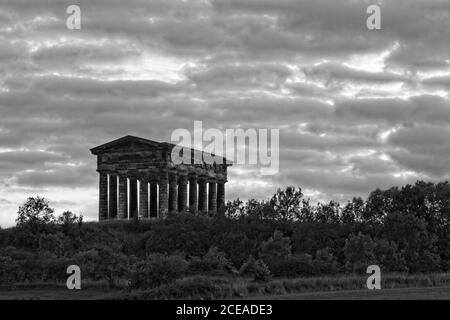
column 431, row 293
column 425, row 293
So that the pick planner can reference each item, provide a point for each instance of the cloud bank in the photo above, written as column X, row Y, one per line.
column 357, row 109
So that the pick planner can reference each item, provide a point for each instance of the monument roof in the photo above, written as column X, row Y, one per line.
column 137, row 142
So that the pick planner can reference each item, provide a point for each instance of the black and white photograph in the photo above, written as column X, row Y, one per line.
column 240, row 152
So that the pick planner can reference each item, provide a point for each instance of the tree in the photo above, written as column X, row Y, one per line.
column 286, row 203
column 277, row 247
column 413, row 239
column 234, row 209
column 353, row 211
column 388, row 257
column 359, row 252
column 379, row 204
column 307, row 211
column 35, row 211
column 68, row 218
column 328, row 213
column 260, row 209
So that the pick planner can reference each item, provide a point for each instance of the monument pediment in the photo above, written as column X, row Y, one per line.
column 126, row 143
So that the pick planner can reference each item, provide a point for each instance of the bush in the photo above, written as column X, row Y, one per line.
column 235, row 243
column 27, row 265
column 180, row 233
column 325, row 262
column 256, row 268
column 9, row 270
column 54, row 268
column 293, row 266
column 311, row 236
column 359, row 252
column 389, row 257
column 52, row 243
column 261, row 271
column 157, row 269
column 276, row 253
column 276, row 248
column 103, row 263
column 213, row 262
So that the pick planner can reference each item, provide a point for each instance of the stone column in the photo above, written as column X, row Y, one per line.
column 163, row 195
column 193, row 194
column 202, row 196
column 103, row 196
column 123, row 198
column 220, row 196
column 153, row 199
column 182, row 193
column 143, row 198
column 212, row 201
column 133, row 198
column 173, row 192
column 112, row 196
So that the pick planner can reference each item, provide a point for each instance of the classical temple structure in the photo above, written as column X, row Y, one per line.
column 139, row 180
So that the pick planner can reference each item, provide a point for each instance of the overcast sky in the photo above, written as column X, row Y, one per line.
column 357, row 109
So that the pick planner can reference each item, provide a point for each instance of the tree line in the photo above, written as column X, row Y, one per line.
column 400, row 229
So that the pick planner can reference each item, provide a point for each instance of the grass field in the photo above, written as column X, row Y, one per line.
column 55, row 294
column 425, row 293
column 348, row 287
column 435, row 293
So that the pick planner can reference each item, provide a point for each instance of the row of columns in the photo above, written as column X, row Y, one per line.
column 168, row 193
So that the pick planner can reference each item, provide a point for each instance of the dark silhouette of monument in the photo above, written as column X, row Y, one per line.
column 139, row 180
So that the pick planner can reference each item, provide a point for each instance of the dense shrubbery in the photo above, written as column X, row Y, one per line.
column 403, row 229
column 277, row 254
column 256, row 269
column 156, row 270
column 214, row 262
column 103, row 263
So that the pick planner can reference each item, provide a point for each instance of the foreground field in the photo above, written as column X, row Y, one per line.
column 384, row 294
column 394, row 286
column 55, row 294
column 422, row 293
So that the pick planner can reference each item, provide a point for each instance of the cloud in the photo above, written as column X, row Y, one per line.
column 82, row 88
column 331, row 73
column 241, row 77
column 357, row 109
column 443, row 81
column 19, row 160
column 66, row 176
